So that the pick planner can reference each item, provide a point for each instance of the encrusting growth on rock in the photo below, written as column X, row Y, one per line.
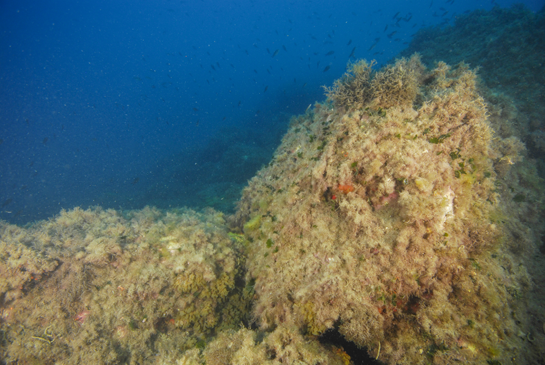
column 98, row 287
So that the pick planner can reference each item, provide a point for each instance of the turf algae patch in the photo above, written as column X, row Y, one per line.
column 283, row 345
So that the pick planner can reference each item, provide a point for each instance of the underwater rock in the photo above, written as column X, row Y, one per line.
column 400, row 214
column 96, row 286
column 386, row 215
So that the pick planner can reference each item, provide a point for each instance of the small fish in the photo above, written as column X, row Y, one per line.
column 7, row 202
column 349, row 42
column 266, row 88
column 45, row 140
column 395, row 16
column 392, row 34
column 275, row 53
column 385, row 28
column 284, row 48
column 329, row 53
column 213, row 68
column 135, row 180
column 239, row 102
column 352, row 53
column 372, row 46
column 326, row 68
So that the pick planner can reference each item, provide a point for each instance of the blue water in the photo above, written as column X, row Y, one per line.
column 128, row 103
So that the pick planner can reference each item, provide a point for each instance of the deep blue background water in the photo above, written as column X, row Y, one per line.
column 98, row 97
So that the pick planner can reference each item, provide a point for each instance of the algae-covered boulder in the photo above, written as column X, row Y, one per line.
column 98, row 287
column 383, row 215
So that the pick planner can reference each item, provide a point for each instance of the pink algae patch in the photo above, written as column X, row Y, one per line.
column 385, row 200
column 80, row 317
